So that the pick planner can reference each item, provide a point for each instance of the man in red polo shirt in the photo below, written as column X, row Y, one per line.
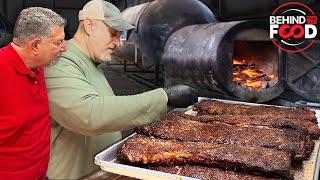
column 38, row 39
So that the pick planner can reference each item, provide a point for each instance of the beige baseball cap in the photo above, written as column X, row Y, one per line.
column 107, row 12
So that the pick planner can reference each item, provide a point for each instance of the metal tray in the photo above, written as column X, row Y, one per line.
column 108, row 161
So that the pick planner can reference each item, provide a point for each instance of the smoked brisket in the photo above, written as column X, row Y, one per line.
column 220, row 108
column 276, row 121
column 182, row 129
column 143, row 150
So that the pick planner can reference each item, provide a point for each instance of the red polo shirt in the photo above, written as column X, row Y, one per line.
column 24, row 119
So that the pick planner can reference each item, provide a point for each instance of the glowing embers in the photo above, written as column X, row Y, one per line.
column 249, row 75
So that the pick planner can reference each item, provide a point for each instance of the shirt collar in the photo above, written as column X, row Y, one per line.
column 19, row 64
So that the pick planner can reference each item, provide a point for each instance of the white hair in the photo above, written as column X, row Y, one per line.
column 35, row 22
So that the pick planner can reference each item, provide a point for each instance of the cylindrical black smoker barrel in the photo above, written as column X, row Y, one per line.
column 203, row 55
column 163, row 17
column 127, row 49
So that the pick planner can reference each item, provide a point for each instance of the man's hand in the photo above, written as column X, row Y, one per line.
column 181, row 96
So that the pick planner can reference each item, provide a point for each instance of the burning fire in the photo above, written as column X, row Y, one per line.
column 239, row 62
column 249, row 75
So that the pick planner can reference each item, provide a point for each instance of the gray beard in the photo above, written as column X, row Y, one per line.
column 105, row 58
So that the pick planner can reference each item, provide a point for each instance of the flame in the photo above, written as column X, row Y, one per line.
column 256, row 85
column 250, row 76
column 253, row 73
column 239, row 62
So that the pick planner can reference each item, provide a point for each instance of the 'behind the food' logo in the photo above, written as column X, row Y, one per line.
column 293, row 27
